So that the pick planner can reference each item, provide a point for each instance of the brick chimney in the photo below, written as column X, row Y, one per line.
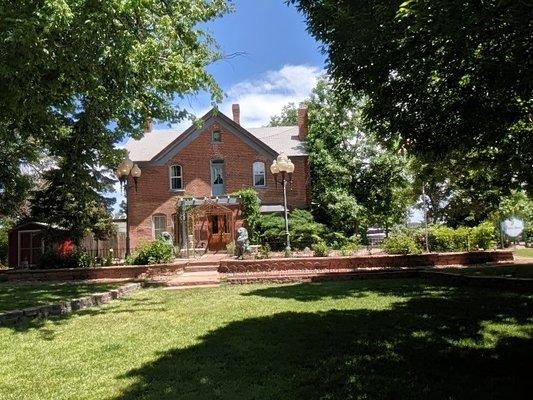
column 236, row 113
column 302, row 121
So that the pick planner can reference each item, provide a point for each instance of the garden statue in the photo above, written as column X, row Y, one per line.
column 242, row 242
column 167, row 237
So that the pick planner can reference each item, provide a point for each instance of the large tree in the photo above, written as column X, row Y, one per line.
column 446, row 79
column 77, row 76
column 355, row 181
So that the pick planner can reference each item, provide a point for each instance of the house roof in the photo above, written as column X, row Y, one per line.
column 160, row 145
column 281, row 139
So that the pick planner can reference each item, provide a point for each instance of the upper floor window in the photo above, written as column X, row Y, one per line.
column 259, row 173
column 176, row 179
column 217, row 136
column 159, row 224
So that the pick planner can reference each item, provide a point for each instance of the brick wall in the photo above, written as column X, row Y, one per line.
column 154, row 197
column 69, row 274
column 385, row 261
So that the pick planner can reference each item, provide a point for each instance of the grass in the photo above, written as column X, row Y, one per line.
column 508, row 271
column 14, row 295
column 368, row 339
column 526, row 252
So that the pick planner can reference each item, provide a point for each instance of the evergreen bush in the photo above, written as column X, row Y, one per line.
column 157, row 252
column 304, row 231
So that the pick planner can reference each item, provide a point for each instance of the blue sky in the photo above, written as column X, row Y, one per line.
column 279, row 63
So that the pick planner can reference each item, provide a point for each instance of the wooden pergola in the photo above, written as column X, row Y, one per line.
column 211, row 216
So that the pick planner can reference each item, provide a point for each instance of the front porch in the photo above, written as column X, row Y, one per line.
column 206, row 224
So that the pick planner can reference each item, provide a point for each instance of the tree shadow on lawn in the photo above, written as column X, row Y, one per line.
column 313, row 291
column 428, row 347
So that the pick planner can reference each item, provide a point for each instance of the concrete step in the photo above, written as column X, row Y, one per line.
column 184, row 287
column 201, row 268
column 203, row 262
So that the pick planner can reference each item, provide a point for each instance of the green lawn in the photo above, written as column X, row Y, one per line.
column 524, row 252
column 15, row 295
column 509, row 271
column 367, row 339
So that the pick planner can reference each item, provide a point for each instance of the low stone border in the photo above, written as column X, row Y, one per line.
column 75, row 274
column 495, row 282
column 356, row 262
column 64, row 307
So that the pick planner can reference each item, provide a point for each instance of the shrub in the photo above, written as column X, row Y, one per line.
column 350, row 248
column 250, row 211
column 264, row 251
column 483, row 235
column 305, row 232
column 442, row 238
column 336, row 240
column 462, row 239
column 157, row 252
column 65, row 256
column 401, row 243
column 320, row 249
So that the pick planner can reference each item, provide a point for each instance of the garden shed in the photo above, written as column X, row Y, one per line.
column 26, row 243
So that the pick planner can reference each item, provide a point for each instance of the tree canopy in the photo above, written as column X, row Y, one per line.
column 355, row 181
column 448, row 80
column 78, row 76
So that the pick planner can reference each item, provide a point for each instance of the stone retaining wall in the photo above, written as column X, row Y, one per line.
column 75, row 274
column 15, row 317
column 378, row 261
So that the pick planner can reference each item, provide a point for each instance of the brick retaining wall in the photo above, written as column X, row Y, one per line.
column 70, row 274
column 380, row 261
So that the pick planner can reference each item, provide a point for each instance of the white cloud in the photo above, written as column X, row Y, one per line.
column 264, row 96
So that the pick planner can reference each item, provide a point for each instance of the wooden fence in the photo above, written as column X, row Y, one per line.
column 115, row 246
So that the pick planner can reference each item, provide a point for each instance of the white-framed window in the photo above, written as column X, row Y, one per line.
column 159, row 222
column 175, row 177
column 259, row 174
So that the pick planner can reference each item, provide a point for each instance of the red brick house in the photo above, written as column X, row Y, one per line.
column 200, row 167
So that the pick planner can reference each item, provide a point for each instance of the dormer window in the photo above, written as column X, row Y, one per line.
column 175, row 177
column 217, row 137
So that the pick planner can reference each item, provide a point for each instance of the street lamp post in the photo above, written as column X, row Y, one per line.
column 282, row 169
column 124, row 170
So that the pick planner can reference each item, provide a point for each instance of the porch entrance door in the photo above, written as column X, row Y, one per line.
column 30, row 248
column 217, row 178
column 219, row 232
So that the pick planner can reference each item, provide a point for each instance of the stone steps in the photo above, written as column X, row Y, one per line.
column 201, row 268
column 203, row 278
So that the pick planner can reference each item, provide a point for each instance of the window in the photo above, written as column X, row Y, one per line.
column 217, row 136
column 176, row 180
column 160, row 224
column 259, row 173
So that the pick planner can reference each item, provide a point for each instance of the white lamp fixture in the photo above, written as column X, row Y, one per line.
column 282, row 164
column 125, row 168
